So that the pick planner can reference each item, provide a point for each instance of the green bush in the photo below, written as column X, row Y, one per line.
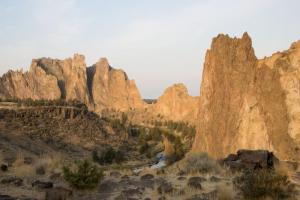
column 200, row 163
column 263, row 183
column 108, row 156
column 143, row 147
column 85, row 176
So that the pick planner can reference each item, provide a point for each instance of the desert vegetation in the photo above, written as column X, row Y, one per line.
column 43, row 102
column 108, row 156
column 84, row 175
column 264, row 183
column 200, row 163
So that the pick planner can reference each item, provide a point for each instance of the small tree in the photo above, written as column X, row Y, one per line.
column 85, row 176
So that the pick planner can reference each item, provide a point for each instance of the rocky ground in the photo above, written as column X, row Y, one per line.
column 37, row 142
column 119, row 184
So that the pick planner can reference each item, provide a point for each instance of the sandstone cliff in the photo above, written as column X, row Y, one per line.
column 249, row 103
column 176, row 104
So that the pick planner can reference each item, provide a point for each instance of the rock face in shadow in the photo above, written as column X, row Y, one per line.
column 246, row 103
column 176, row 104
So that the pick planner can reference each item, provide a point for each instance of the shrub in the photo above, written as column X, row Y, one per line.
column 108, row 156
column 202, row 163
column 179, row 151
column 119, row 156
column 258, row 184
column 85, row 176
column 155, row 134
column 143, row 147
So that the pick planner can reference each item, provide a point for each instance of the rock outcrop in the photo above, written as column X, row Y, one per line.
column 99, row 86
column 71, row 76
column 176, row 104
column 111, row 88
column 250, row 160
column 246, row 103
column 35, row 84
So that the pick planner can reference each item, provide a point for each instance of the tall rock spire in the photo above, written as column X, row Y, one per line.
column 243, row 103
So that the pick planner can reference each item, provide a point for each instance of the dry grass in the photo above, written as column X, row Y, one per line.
column 284, row 169
column 50, row 162
column 20, row 169
column 200, row 163
column 225, row 192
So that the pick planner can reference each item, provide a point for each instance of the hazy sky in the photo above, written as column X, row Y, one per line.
column 157, row 42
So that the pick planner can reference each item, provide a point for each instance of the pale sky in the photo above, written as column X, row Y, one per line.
column 157, row 42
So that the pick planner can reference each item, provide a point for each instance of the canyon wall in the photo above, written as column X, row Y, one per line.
column 249, row 103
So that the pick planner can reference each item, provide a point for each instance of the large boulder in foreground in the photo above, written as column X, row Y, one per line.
column 251, row 159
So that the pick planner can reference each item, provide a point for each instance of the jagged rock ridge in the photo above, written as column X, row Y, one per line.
column 99, row 86
column 249, row 103
column 35, row 84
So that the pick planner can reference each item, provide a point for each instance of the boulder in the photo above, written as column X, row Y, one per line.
column 12, row 180
column 42, row 184
column 4, row 167
column 147, row 177
column 251, row 159
column 165, row 187
column 195, row 182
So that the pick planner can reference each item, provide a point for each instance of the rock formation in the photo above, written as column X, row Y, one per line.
column 35, row 84
column 176, row 104
column 249, row 103
column 71, row 76
column 99, row 86
column 111, row 88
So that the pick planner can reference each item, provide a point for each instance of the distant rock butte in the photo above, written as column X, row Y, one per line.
column 246, row 103
column 176, row 104
column 99, row 86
